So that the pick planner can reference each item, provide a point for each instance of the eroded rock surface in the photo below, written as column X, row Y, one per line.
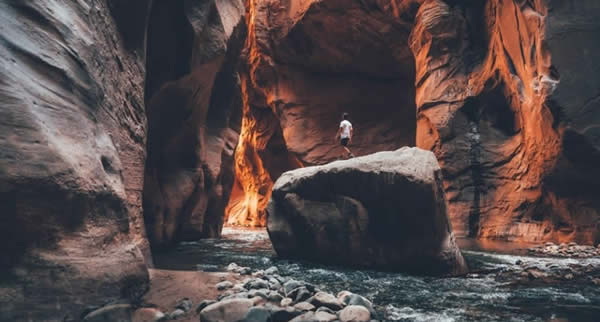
column 386, row 210
column 505, row 95
column 511, row 112
column 307, row 63
column 72, row 149
column 194, row 109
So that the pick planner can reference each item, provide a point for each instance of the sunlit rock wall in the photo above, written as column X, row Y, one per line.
column 307, row 63
column 508, row 107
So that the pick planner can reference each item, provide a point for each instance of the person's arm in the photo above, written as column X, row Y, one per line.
column 339, row 133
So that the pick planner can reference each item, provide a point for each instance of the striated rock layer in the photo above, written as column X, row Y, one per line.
column 307, row 63
column 510, row 109
column 386, row 210
column 505, row 95
column 194, row 109
column 72, row 151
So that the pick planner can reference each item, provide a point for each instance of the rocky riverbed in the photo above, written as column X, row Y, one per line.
column 509, row 285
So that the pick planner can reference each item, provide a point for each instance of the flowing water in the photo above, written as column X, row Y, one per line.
column 401, row 297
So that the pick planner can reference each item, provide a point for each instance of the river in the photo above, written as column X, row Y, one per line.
column 479, row 296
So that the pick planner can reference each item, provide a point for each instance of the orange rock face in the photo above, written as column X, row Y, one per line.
column 488, row 106
column 307, row 63
column 508, row 110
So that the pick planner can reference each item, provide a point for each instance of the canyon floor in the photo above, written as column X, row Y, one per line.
column 505, row 283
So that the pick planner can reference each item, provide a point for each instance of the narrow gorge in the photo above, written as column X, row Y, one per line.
column 135, row 134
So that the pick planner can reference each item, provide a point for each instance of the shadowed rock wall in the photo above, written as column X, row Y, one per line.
column 72, row 151
column 194, row 109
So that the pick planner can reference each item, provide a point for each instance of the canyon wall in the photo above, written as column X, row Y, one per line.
column 307, row 63
column 511, row 111
column 72, row 151
column 505, row 93
column 194, row 112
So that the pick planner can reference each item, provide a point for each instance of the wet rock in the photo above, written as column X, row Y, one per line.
column 272, row 270
column 176, row 314
column 290, row 285
column 114, row 312
column 258, row 314
column 322, row 316
column 264, row 293
column 274, row 297
column 274, row 284
column 326, row 300
column 304, row 306
column 300, row 294
column 258, row 274
column 349, row 298
column 256, row 284
column 335, row 197
column 184, row 304
column 325, row 309
column 232, row 267
column 284, row 314
column 224, row 285
column 354, row 313
column 226, row 310
column 305, row 317
column 203, row 304
column 148, row 314
column 286, row 302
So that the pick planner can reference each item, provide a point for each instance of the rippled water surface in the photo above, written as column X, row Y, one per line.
column 411, row 298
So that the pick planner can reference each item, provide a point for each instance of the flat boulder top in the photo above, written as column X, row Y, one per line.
column 410, row 162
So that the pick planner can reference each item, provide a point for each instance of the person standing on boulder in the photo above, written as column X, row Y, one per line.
column 344, row 134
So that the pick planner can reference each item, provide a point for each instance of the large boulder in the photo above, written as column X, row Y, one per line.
column 72, row 151
column 386, row 210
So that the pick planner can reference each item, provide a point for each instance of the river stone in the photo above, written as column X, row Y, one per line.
column 291, row 285
column 304, row 317
column 286, row 302
column 258, row 314
column 284, row 314
column 322, row 316
column 274, row 297
column 148, row 314
column 355, row 313
column 349, row 298
column 226, row 310
column 176, row 314
column 304, row 306
column 325, row 299
column 271, row 270
column 204, row 304
column 224, row 285
column 114, row 312
column 388, row 211
column 256, row 284
column 184, row 304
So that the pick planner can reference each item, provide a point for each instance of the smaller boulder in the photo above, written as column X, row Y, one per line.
column 224, row 285
column 304, row 306
column 326, row 300
column 355, row 313
column 226, row 310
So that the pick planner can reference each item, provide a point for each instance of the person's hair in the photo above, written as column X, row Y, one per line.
column 344, row 116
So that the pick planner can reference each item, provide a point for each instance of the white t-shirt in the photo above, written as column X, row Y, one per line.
column 346, row 127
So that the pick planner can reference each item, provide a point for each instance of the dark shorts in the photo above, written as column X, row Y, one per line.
column 344, row 141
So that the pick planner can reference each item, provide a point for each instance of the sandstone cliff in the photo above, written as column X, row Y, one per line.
column 72, row 153
column 505, row 93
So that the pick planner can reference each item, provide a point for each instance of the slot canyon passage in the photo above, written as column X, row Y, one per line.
column 177, row 160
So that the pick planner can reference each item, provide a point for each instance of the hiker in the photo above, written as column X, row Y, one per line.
column 344, row 134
